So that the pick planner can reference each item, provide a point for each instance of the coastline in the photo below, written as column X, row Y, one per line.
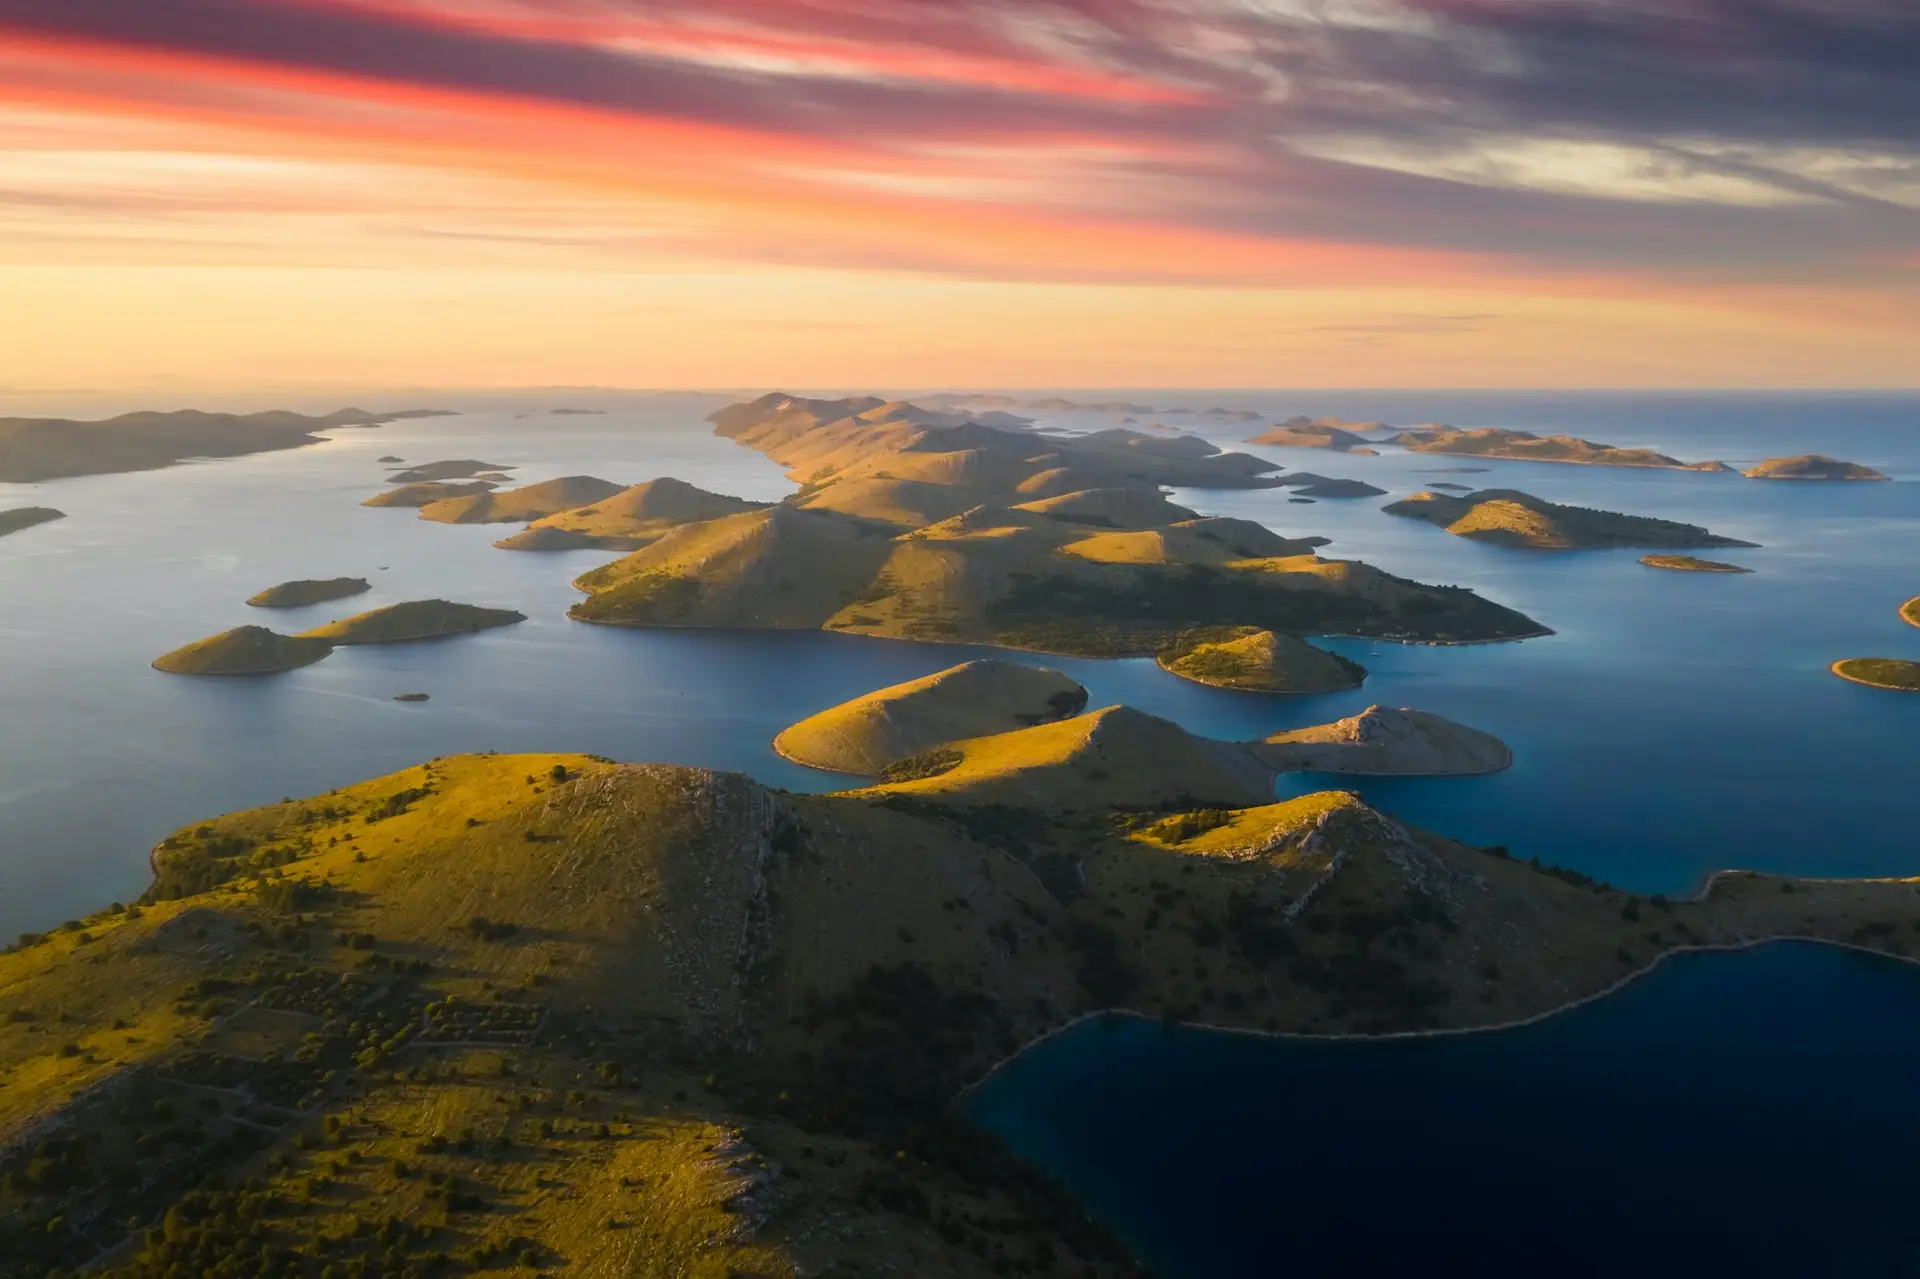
column 1834, row 669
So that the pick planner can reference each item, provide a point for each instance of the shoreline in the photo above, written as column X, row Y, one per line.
column 1697, row 948
column 1834, row 669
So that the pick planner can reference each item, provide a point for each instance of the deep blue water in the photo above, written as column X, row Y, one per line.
column 1673, row 725
column 1745, row 1115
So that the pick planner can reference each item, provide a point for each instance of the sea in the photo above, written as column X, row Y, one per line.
column 1673, row 724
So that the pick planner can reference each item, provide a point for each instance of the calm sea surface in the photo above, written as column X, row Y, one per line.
column 1730, row 1115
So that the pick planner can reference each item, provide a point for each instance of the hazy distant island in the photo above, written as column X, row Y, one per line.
column 1812, row 466
column 299, row 594
column 578, row 412
column 1690, row 564
column 33, row 449
column 452, row 469
column 427, row 492
column 1527, row 447
column 1880, row 672
column 521, row 505
column 390, row 459
column 630, row 519
column 1512, row 518
column 1307, row 484
column 921, row 525
column 732, row 1022
column 873, row 734
column 1258, row 661
column 25, row 517
column 413, row 620
column 244, row 650
column 1332, row 433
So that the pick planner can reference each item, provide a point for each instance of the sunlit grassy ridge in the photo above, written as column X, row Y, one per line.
column 413, row 620
column 628, row 520
column 1512, row 518
column 1259, row 661
column 301, row 593
column 521, row 505
column 1690, row 564
column 554, row 1013
column 1526, row 446
column 244, row 650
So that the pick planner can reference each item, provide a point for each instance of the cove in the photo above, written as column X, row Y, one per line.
column 1746, row 1114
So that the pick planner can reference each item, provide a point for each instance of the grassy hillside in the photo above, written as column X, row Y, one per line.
column 244, row 650
column 1385, row 741
column 1811, row 466
column 426, row 492
column 1508, row 517
column 975, row 699
column 1259, row 662
column 557, row 1014
column 1910, row 611
column 533, row 502
column 459, row 468
column 301, row 593
column 413, row 620
column 630, row 519
column 1892, row 673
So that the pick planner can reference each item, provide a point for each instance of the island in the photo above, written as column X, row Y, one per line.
column 1332, row 433
column 34, row 449
column 302, row 593
column 630, row 519
column 1910, row 611
column 427, row 492
column 915, row 525
column 460, row 468
column 244, row 650
column 411, row 697
column 1508, row 517
column 1690, row 564
column 1812, row 466
column 1384, row 741
column 1307, row 484
column 1893, row 673
column 521, row 505
column 25, row 517
column 1258, row 661
column 390, row 460
column 555, row 1012
column 413, row 620
column 871, row 735
column 1525, row 446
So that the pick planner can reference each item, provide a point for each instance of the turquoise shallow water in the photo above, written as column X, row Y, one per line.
column 1674, row 724
column 1744, row 1114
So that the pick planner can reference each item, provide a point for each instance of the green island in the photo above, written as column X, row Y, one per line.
column 413, row 620
column 424, row 493
column 554, row 1013
column 630, row 519
column 1910, row 611
column 1258, row 661
column 309, row 591
column 870, row 734
column 1307, row 484
column 1509, row 517
column 1332, row 433
column 244, row 650
column 1812, row 466
column 1893, row 673
column 25, row 517
column 920, row 525
column 459, row 468
column 521, row 505
column 1690, row 564
column 36, row 448
column 1525, row 446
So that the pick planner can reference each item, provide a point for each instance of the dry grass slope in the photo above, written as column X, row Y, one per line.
column 1261, row 662
column 244, row 650
column 413, row 620
column 1508, row 517
column 533, row 502
column 309, row 591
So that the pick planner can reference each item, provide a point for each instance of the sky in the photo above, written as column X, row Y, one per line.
column 993, row 193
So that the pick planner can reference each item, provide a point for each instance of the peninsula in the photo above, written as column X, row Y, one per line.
column 34, row 449
column 1812, row 466
column 413, row 620
column 244, row 650
column 917, row 525
column 1525, row 446
column 870, row 734
column 1383, row 741
column 302, row 593
column 521, row 505
column 630, row 519
column 424, row 493
column 1508, row 517
column 1260, row 662
column 25, row 517
column 1690, row 564
column 1332, row 433
column 384, row 1023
